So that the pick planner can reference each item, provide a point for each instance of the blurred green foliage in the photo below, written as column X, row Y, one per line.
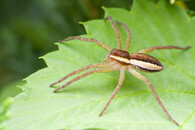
column 28, row 30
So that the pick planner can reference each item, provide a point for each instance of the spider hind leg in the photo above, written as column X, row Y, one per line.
column 142, row 78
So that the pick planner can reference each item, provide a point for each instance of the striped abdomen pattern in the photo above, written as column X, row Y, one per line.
column 140, row 61
column 145, row 62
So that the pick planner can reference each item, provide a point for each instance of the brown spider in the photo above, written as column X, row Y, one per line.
column 118, row 59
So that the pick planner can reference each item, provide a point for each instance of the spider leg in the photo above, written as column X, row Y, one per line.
column 127, row 42
column 101, row 44
column 97, row 65
column 147, row 50
column 121, row 78
column 142, row 78
column 118, row 38
column 99, row 70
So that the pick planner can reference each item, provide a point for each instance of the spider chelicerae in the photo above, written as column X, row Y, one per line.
column 118, row 59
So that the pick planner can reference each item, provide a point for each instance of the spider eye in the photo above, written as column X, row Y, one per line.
column 113, row 51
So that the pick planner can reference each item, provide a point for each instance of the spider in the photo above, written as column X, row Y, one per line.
column 118, row 59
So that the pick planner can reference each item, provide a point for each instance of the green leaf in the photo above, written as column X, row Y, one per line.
column 9, row 90
column 134, row 107
column 3, row 109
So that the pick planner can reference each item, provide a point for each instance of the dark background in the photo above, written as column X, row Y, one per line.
column 29, row 29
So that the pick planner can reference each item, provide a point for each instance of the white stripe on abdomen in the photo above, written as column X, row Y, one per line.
column 145, row 65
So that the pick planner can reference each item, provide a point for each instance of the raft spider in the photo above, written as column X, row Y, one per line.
column 118, row 59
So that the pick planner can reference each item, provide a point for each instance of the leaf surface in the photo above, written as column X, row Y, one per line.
column 134, row 107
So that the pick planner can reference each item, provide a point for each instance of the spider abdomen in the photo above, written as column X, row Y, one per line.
column 140, row 61
column 144, row 62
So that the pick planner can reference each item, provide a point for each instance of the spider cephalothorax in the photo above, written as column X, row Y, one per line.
column 120, row 56
column 118, row 59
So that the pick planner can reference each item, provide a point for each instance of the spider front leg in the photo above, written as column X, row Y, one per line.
column 128, row 39
column 97, row 65
column 118, row 37
column 99, row 70
column 121, row 79
column 147, row 50
column 142, row 78
column 101, row 44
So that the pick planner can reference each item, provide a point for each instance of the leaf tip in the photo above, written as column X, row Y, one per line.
column 41, row 57
column 81, row 23
column 103, row 7
column 57, row 43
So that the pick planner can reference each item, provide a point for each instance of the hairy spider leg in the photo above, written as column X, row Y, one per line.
column 99, row 70
column 128, row 39
column 96, row 65
column 147, row 50
column 117, row 33
column 101, row 44
column 121, row 79
column 142, row 78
